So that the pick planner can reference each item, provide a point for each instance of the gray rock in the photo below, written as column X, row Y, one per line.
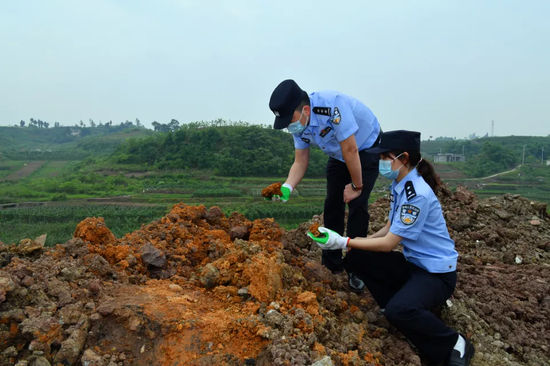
column 243, row 293
column 90, row 358
column 6, row 285
column 70, row 274
column 10, row 352
column 274, row 319
column 209, row 275
column 71, row 348
column 504, row 215
column 150, row 255
column 38, row 361
column 325, row 361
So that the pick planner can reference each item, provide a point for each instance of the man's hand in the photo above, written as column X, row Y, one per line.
column 350, row 194
column 286, row 190
column 330, row 239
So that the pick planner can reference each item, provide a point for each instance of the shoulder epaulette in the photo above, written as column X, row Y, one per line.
column 409, row 190
column 325, row 111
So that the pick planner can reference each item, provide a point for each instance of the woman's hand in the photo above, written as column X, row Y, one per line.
column 330, row 239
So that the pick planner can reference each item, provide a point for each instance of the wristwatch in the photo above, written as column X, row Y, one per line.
column 355, row 188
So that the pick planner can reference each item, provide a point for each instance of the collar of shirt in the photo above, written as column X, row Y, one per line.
column 399, row 187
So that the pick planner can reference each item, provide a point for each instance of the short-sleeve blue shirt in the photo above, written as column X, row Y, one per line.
column 417, row 217
column 334, row 118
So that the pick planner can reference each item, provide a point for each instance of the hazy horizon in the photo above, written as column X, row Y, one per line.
column 444, row 69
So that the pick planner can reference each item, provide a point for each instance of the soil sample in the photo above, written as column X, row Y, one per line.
column 314, row 229
column 271, row 190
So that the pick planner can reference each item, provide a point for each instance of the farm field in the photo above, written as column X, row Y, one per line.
column 68, row 197
column 26, row 170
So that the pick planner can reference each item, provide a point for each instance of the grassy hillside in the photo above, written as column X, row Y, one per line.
column 511, row 144
column 63, row 143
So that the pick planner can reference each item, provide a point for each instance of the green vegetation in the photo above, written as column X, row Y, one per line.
column 490, row 155
column 65, row 143
column 59, row 222
column 236, row 150
column 212, row 163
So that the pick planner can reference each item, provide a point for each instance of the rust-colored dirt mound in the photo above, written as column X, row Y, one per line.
column 199, row 288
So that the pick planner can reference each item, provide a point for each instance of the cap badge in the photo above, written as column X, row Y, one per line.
column 277, row 113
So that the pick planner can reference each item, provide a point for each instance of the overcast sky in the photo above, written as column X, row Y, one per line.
column 445, row 68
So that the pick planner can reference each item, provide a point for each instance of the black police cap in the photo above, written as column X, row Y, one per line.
column 286, row 97
column 397, row 140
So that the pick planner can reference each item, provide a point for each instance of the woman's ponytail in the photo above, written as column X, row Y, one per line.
column 424, row 167
column 426, row 170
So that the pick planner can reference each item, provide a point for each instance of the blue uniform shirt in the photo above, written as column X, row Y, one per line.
column 334, row 118
column 417, row 217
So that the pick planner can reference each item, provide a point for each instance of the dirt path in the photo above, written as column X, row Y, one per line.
column 491, row 176
column 24, row 172
column 496, row 175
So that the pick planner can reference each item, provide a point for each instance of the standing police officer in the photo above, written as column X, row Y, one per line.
column 343, row 128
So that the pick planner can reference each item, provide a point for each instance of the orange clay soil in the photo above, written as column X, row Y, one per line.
column 314, row 229
column 271, row 190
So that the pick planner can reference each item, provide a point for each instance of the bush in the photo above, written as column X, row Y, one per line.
column 59, row 197
column 217, row 192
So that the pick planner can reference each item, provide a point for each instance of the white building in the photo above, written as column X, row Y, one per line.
column 449, row 158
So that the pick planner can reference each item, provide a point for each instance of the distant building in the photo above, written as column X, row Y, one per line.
column 449, row 158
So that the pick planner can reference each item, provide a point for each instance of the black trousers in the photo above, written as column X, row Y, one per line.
column 408, row 293
column 338, row 177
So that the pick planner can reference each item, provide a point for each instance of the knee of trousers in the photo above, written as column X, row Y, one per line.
column 401, row 314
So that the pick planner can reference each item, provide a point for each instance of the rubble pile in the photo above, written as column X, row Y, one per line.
column 200, row 288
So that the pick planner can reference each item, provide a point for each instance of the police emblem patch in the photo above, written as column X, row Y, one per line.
column 409, row 214
column 336, row 117
column 277, row 113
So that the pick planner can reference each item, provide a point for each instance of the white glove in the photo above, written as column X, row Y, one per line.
column 330, row 239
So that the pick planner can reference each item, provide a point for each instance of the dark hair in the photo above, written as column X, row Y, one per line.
column 305, row 101
column 424, row 167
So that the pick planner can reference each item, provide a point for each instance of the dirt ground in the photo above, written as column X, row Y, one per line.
column 24, row 172
column 199, row 288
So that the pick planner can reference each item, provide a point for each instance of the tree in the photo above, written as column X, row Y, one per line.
column 46, row 125
column 56, row 124
column 92, row 123
column 138, row 122
column 81, row 123
column 174, row 124
column 22, row 123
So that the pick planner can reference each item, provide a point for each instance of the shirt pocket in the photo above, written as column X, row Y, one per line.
column 330, row 141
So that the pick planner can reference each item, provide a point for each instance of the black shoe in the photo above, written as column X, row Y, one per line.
column 456, row 360
column 355, row 284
